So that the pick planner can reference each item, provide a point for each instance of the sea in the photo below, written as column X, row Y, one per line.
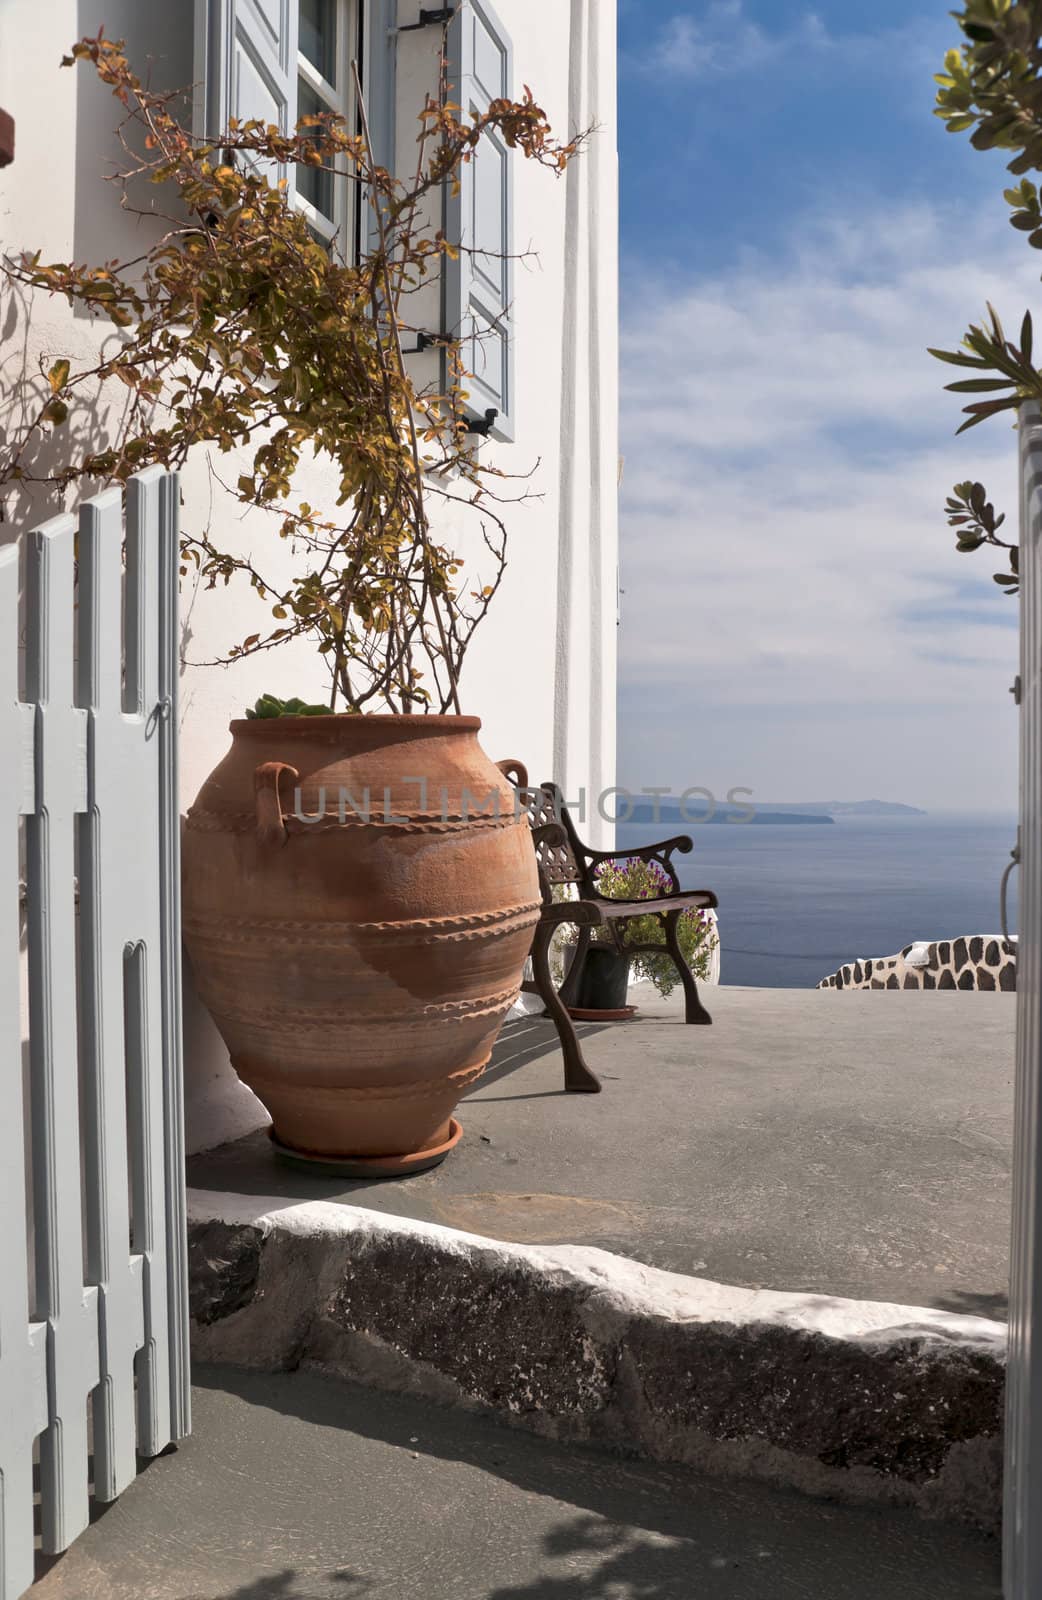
column 796, row 902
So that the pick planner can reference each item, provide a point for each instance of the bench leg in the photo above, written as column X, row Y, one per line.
column 578, row 1079
column 694, row 1011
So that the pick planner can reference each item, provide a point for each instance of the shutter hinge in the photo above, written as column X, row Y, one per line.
column 426, row 341
column 429, row 15
column 1014, row 690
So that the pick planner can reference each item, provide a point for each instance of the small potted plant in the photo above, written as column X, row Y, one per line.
column 600, row 989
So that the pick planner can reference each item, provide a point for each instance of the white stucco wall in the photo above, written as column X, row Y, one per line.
column 541, row 673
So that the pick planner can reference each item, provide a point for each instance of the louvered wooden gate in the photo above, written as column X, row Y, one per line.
column 93, row 1303
column 1023, row 1486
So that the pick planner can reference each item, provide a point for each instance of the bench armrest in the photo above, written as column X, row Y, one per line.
column 581, row 913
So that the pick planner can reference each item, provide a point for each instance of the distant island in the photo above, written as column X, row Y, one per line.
column 850, row 808
column 765, row 813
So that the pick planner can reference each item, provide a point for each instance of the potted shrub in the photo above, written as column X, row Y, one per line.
column 601, row 987
column 357, row 926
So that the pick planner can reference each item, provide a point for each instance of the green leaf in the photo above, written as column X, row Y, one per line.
column 955, row 358
column 990, row 409
column 58, row 376
column 977, row 385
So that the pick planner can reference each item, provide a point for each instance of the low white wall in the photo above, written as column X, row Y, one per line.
column 541, row 674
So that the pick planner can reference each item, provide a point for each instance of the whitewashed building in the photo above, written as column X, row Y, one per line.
column 541, row 673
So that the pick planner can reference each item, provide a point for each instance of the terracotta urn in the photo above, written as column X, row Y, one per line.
column 359, row 899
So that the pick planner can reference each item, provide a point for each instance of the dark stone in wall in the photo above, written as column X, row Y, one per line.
column 993, row 956
column 967, row 979
column 892, row 981
column 985, row 979
column 512, row 1340
column 947, row 980
column 507, row 1338
column 858, row 972
column 976, row 948
column 223, row 1268
column 911, row 981
column 944, row 954
column 929, row 981
column 960, row 954
column 1008, row 977
column 765, row 1383
column 839, row 978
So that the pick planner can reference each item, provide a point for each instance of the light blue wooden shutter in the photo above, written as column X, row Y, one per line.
column 379, row 74
column 478, row 288
column 246, row 64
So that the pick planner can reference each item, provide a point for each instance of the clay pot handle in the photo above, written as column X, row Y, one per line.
column 516, row 771
column 271, row 826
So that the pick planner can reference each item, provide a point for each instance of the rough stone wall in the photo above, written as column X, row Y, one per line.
column 853, row 1400
column 978, row 961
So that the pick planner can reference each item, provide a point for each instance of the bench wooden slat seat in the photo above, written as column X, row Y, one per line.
column 563, row 858
column 694, row 899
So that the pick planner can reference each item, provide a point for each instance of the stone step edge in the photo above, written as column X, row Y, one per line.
column 853, row 1399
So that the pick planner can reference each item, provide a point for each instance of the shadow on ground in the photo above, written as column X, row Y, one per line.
column 297, row 1486
column 607, row 1527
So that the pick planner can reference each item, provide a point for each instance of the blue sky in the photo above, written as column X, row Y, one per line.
column 796, row 228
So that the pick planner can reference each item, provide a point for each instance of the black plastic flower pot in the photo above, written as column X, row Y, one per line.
column 603, row 981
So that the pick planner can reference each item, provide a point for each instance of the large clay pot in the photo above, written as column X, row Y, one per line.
column 359, row 971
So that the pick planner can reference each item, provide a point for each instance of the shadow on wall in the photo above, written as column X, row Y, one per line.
column 34, row 331
column 218, row 1105
column 28, row 344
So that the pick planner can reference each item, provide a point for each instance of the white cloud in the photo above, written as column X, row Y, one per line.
column 788, row 450
column 719, row 37
column 722, row 39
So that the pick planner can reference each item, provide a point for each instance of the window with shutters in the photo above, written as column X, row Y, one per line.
column 327, row 42
column 478, row 287
column 282, row 59
column 279, row 60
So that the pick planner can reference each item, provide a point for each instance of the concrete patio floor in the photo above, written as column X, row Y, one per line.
column 296, row 1487
column 855, row 1144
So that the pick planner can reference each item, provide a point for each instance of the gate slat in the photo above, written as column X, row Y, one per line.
column 170, row 912
column 23, row 1373
column 147, row 1121
column 69, row 1309
column 104, row 843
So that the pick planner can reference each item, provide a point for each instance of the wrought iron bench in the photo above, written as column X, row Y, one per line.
column 563, row 858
